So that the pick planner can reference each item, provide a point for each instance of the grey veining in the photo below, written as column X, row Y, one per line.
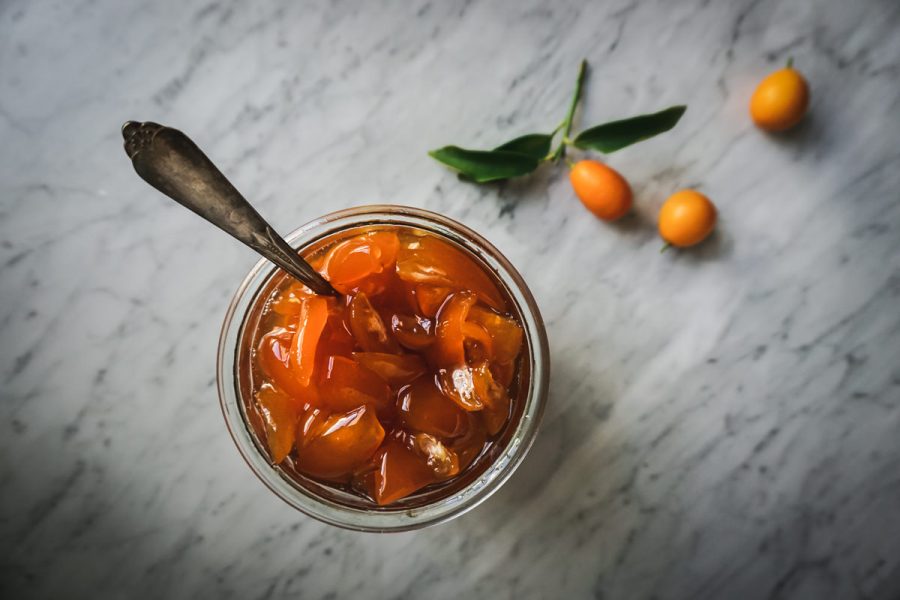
column 723, row 423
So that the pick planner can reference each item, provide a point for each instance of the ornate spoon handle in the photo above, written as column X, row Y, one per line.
column 168, row 160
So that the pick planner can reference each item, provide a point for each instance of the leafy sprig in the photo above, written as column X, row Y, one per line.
column 524, row 154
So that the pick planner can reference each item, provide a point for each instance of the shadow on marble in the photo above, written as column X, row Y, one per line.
column 634, row 223
column 717, row 246
column 510, row 194
column 808, row 133
column 576, row 412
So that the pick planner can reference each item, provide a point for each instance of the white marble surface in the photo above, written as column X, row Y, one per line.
column 724, row 423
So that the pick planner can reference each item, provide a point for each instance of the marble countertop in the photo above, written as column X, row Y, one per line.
column 723, row 422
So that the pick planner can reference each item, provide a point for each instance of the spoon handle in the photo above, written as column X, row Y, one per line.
column 168, row 160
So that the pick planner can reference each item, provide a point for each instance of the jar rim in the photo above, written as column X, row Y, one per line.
column 402, row 519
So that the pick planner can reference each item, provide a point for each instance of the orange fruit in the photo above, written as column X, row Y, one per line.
column 601, row 189
column 780, row 100
column 687, row 217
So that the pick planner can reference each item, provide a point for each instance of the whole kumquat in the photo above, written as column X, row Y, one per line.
column 686, row 218
column 601, row 189
column 780, row 100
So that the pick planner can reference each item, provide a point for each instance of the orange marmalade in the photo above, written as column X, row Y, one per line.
column 404, row 382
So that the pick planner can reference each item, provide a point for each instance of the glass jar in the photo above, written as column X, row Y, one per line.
column 457, row 496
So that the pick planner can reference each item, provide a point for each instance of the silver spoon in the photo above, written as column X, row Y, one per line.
column 172, row 163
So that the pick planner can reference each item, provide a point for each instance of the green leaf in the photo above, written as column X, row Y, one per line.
column 535, row 145
column 616, row 135
column 567, row 122
column 482, row 166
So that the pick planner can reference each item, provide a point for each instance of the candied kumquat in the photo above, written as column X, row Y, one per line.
column 396, row 369
column 424, row 408
column 351, row 263
column 388, row 244
column 427, row 259
column 413, row 332
column 336, row 339
column 334, row 446
column 280, row 413
column 352, row 260
column 368, row 328
column 459, row 385
column 503, row 373
column 288, row 302
column 430, row 298
column 441, row 460
column 274, row 358
column 313, row 316
column 479, row 336
column 346, row 384
column 400, row 473
column 494, row 397
column 505, row 333
column 450, row 332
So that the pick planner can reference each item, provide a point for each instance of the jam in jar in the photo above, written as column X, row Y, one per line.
column 403, row 382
